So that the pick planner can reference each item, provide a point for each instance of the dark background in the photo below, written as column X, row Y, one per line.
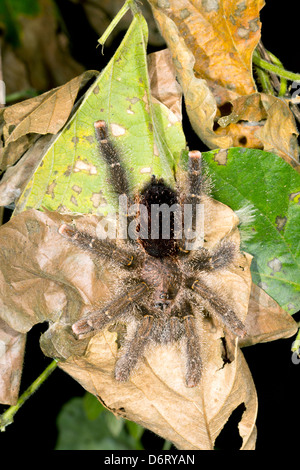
column 275, row 376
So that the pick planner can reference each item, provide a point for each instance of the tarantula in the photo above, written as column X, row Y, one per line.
column 162, row 285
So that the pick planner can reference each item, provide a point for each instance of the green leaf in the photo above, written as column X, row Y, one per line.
column 77, row 432
column 72, row 174
column 135, row 430
column 92, row 406
column 270, row 188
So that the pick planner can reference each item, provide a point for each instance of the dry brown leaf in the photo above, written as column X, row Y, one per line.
column 212, row 43
column 279, row 134
column 15, row 178
column 44, row 114
column 266, row 320
column 221, row 35
column 163, row 84
column 262, row 121
column 12, row 345
column 43, row 277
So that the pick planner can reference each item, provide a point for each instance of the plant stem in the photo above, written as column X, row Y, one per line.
column 128, row 5
column 283, row 81
column 264, row 81
column 8, row 416
column 257, row 60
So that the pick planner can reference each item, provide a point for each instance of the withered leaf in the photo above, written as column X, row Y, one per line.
column 12, row 345
column 45, row 278
column 44, row 114
column 212, row 45
column 163, row 84
column 266, row 320
column 221, row 35
column 262, row 121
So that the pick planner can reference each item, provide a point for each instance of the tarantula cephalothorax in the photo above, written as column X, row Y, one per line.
column 162, row 283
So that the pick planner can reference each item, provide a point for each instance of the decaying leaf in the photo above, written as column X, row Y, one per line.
column 45, row 278
column 24, row 122
column 266, row 320
column 264, row 122
column 12, row 344
column 163, row 84
column 215, row 72
column 16, row 177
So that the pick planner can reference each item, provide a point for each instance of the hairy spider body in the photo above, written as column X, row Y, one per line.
column 162, row 287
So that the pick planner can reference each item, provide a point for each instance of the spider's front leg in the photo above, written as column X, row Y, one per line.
column 112, row 158
column 218, row 307
column 101, row 248
column 99, row 319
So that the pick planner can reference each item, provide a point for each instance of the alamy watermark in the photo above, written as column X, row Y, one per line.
column 296, row 93
column 296, row 352
column 163, row 222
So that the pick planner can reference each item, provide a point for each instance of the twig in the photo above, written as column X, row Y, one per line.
column 8, row 416
column 264, row 54
column 257, row 60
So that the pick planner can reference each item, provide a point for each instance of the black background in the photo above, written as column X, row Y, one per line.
column 275, row 376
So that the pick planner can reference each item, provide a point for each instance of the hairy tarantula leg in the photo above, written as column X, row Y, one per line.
column 102, row 248
column 220, row 258
column 195, row 175
column 224, row 312
column 194, row 363
column 135, row 349
column 112, row 158
column 223, row 255
column 99, row 319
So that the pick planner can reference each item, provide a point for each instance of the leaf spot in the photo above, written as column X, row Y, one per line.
column 295, row 197
column 98, row 199
column 280, row 223
column 50, row 189
column 77, row 188
column 133, row 100
column 254, row 25
column 74, row 200
column 117, row 130
column 185, row 13
column 85, row 166
column 221, row 157
column 275, row 265
column 89, row 138
column 243, row 33
column 147, row 169
column 211, row 5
